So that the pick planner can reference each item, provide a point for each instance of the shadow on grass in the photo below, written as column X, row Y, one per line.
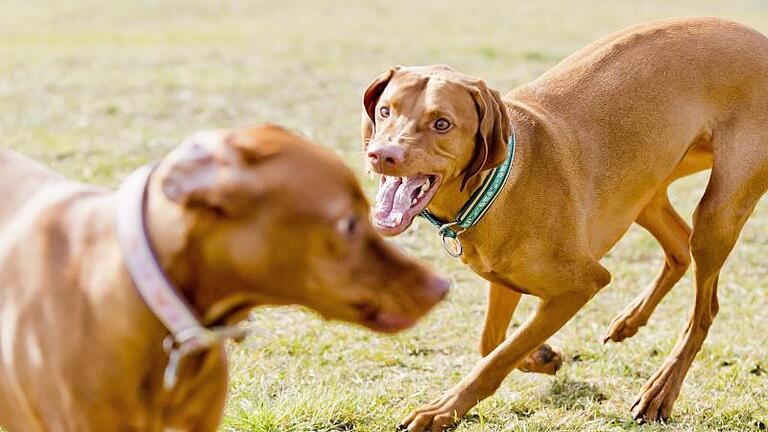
column 568, row 394
column 335, row 425
column 466, row 420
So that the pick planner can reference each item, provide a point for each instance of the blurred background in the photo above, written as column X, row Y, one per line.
column 96, row 89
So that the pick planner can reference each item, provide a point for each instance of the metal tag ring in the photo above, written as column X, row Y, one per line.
column 452, row 245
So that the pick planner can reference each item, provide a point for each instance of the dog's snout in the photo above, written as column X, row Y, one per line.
column 388, row 155
column 436, row 288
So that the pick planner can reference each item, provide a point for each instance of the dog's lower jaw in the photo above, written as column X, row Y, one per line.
column 390, row 323
column 400, row 199
column 391, row 231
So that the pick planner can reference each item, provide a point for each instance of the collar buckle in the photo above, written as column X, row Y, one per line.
column 446, row 230
column 193, row 341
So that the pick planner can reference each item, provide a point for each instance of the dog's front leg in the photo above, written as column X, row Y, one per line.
column 489, row 373
column 502, row 302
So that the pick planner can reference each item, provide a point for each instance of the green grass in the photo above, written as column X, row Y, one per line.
column 96, row 89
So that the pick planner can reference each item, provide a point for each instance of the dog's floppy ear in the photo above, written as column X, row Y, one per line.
column 492, row 132
column 370, row 99
column 210, row 170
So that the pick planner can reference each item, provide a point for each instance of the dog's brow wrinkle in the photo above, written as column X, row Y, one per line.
column 445, row 153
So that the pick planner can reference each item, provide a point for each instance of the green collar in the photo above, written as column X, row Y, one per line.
column 477, row 205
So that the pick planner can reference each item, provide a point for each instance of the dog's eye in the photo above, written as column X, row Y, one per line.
column 348, row 226
column 442, row 125
column 384, row 112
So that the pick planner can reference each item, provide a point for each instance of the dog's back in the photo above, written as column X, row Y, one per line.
column 33, row 196
column 21, row 179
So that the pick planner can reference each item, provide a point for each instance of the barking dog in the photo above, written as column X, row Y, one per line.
column 598, row 140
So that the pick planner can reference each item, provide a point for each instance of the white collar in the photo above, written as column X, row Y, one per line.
column 187, row 335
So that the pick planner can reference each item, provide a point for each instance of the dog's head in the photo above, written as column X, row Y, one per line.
column 427, row 127
column 273, row 219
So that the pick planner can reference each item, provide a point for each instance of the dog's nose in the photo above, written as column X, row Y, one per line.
column 388, row 155
column 436, row 288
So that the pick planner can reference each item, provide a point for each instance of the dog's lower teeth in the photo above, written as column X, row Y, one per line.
column 415, row 200
column 424, row 188
column 398, row 218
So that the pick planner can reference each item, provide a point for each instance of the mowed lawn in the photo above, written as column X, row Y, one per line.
column 96, row 89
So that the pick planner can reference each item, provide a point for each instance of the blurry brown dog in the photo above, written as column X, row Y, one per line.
column 599, row 139
column 237, row 219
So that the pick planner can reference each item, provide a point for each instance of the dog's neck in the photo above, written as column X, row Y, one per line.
column 450, row 198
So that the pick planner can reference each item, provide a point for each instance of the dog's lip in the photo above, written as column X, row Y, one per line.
column 409, row 214
column 390, row 323
column 376, row 319
column 393, row 231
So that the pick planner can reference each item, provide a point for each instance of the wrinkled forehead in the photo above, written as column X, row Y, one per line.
column 312, row 178
column 328, row 201
column 322, row 184
column 428, row 89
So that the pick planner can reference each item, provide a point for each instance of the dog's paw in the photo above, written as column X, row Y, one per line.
column 658, row 396
column 440, row 414
column 626, row 324
column 544, row 360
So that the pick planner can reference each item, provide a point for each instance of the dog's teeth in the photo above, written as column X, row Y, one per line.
column 424, row 188
column 398, row 219
column 415, row 200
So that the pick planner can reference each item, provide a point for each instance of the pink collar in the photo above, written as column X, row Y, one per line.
column 187, row 335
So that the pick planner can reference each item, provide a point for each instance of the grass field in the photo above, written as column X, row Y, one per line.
column 96, row 89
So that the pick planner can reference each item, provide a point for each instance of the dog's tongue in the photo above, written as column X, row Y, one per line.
column 395, row 197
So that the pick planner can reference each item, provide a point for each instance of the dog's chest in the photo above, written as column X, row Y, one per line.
column 489, row 266
column 513, row 268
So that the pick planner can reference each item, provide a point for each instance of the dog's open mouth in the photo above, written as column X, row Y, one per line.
column 400, row 199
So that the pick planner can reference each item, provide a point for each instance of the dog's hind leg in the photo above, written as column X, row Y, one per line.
column 673, row 233
column 502, row 302
column 739, row 178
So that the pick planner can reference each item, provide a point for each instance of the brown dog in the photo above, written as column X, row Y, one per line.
column 237, row 219
column 599, row 139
